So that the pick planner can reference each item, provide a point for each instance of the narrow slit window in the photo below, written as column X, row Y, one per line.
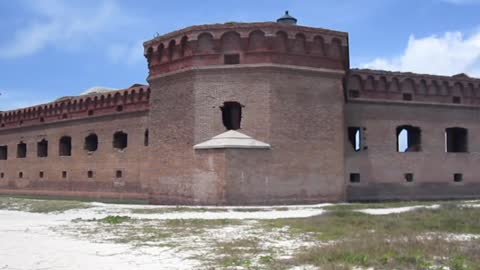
column 42, row 148
column 21, row 150
column 146, row 138
column 456, row 140
column 231, row 115
column 40, row 174
column 65, row 146
column 118, row 174
column 3, row 152
column 409, row 139
column 64, row 174
column 20, row 175
column 457, row 177
column 2, row 175
column 91, row 142
column 90, row 174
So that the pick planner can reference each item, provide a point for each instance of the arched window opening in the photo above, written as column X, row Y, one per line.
column 146, row 138
column 42, row 148
column 231, row 115
column 91, row 142
column 120, row 140
column 355, row 138
column 456, row 140
column 65, row 146
column 409, row 139
column 3, row 152
column 21, row 150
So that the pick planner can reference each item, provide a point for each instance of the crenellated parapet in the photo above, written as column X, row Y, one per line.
column 135, row 98
column 365, row 84
column 247, row 43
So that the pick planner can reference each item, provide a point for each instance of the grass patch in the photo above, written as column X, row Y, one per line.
column 39, row 206
column 347, row 224
column 177, row 209
column 407, row 252
column 114, row 219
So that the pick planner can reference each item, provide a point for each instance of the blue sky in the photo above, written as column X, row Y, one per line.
column 50, row 49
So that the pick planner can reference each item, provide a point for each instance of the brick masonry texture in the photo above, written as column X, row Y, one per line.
column 297, row 94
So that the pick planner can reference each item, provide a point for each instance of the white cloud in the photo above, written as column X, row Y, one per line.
column 63, row 24
column 449, row 54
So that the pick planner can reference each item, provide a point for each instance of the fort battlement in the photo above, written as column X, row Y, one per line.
column 247, row 43
column 135, row 98
column 386, row 86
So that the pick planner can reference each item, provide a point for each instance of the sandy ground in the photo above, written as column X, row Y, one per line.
column 33, row 241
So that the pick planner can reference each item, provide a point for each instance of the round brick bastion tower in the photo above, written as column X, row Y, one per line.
column 246, row 113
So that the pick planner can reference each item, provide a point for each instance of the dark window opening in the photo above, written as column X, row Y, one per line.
column 40, row 174
column 457, row 177
column 231, row 115
column 21, row 150
column 65, row 146
column 120, row 140
column 145, row 138
column 118, row 174
column 42, row 119
column 3, row 125
column 64, row 174
column 407, row 97
column 91, row 142
column 64, row 116
column 3, row 152
column 355, row 138
column 408, row 177
column 90, row 112
column 354, row 178
column 456, row 100
column 456, row 140
column 20, row 175
column 2, row 175
column 119, row 108
column 354, row 93
column 231, row 59
column 409, row 139
column 42, row 148
column 90, row 174
column 21, row 122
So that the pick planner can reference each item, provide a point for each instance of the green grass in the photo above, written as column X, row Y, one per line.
column 39, row 206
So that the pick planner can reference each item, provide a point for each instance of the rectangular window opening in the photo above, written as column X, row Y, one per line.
column 21, row 150
column 456, row 100
column 231, row 59
column 458, row 177
column 64, row 174
column 409, row 139
column 354, row 178
column 42, row 148
column 408, row 177
column 456, row 140
column 353, row 93
column 20, row 175
column 40, row 174
column 3, row 152
column 2, row 175
column 90, row 174
column 118, row 174
column 407, row 97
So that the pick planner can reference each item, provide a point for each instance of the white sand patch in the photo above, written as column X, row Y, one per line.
column 395, row 210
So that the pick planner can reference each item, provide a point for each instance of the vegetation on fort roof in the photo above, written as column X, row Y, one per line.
column 39, row 206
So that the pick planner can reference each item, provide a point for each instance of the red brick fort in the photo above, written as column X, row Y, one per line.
column 251, row 113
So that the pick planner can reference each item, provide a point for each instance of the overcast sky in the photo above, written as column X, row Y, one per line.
column 53, row 48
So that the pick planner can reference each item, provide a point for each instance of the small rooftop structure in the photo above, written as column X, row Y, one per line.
column 287, row 19
column 232, row 139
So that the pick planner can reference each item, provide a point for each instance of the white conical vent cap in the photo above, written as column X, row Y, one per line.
column 231, row 139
